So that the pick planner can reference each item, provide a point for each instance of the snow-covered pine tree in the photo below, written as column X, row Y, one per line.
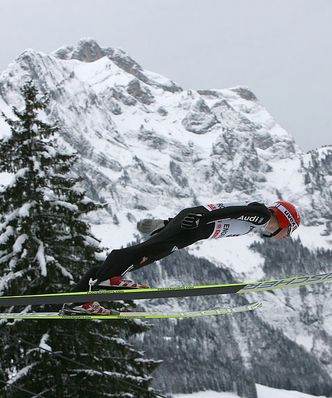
column 45, row 245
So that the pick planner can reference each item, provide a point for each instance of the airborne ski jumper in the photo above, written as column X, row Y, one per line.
column 214, row 221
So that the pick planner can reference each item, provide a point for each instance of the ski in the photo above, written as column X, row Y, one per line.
column 136, row 315
column 164, row 292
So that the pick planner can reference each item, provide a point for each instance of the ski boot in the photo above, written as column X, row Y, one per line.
column 118, row 282
column 90, row 308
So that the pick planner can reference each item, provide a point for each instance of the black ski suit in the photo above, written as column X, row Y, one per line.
column 171, row 238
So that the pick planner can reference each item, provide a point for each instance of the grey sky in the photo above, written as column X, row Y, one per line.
column 281, row 49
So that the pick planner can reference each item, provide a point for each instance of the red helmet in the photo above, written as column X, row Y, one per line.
column 287, row 215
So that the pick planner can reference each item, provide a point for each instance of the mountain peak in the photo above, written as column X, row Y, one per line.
column 87, row 50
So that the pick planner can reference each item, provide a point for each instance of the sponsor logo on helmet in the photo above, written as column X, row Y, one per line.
column 287, row 214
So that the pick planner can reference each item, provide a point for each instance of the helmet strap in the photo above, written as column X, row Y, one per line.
column 273, row 234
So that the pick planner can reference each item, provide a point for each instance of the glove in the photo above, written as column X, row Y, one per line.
column 193, row 220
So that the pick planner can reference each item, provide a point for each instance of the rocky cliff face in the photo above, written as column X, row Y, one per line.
column 148, row 147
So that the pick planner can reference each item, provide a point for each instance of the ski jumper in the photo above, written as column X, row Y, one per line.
column 221, row 220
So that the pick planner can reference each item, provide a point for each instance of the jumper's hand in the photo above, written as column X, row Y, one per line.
column 193, row 220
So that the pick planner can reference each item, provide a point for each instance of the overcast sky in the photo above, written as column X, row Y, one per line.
column 281, row 49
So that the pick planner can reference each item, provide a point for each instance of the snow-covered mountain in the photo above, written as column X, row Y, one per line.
column 150, row 148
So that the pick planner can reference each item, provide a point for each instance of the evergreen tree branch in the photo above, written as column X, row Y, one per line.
column 80, row 364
